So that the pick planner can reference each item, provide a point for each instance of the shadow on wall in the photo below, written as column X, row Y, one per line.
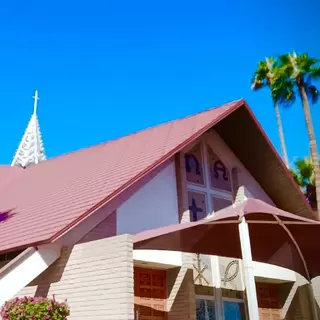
column 52, row 275
column 299, row 302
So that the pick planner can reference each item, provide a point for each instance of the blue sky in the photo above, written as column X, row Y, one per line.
column 107, row 68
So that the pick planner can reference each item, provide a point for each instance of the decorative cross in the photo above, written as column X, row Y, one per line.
column 200, row 271
column 36, row 98
column 194, row 210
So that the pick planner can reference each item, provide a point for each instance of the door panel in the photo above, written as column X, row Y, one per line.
column 268, row 301
column 150, row 294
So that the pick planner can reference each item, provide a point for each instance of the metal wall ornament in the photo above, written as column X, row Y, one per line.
column 200, row 268
column 230, row 273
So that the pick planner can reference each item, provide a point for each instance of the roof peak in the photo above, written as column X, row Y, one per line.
column 30, row 150
column 152, row 127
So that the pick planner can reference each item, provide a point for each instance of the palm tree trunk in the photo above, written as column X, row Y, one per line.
column 281, row 135
column 312, row 141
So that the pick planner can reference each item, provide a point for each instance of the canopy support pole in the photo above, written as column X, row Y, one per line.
column 217, row 282
column 250, row 284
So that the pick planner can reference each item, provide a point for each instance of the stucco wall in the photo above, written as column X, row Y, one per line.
column 95, row 277
column 105, row 229
column 154, row 205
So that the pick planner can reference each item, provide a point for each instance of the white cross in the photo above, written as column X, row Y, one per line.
column 36, row 98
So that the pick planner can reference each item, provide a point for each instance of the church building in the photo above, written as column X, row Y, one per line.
column 67, row 224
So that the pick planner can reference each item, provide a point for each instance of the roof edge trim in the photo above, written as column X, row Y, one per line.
column 288, row 174
column 135, row 179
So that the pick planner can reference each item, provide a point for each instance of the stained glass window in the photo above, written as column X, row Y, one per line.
column 205, row 309
column 197, row 205
column 220, row 203
column 234, row 310
column 219, row 173
column 194, row 165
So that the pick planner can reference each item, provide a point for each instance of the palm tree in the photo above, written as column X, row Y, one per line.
column 263, row 78
column 295, row 76
column 303, row 174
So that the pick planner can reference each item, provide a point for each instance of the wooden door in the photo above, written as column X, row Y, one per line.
column 150, row 294
column 268, row 301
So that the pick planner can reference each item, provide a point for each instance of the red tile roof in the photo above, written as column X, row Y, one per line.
column 50, row 197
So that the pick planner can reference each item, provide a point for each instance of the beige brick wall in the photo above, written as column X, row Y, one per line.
column 316, row 289
column 95, row 277
column 181, row 294
column 295, row 300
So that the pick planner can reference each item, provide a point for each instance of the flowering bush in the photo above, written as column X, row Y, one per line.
column 28, row 308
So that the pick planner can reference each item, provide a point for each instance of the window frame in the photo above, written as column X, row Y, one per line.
column 208, row 298
column 207, row 188
column 237, row 300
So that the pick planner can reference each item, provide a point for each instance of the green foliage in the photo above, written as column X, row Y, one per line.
column 284, row 74
column 28, row 308
column 294, row 72
column 263, row 76
column 303, row 174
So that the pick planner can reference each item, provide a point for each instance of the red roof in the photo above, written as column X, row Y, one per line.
column 49, row 198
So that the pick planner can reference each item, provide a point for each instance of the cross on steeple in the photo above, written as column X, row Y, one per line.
column 35, row 104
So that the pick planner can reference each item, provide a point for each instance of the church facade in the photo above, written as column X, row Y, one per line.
column 70, row 233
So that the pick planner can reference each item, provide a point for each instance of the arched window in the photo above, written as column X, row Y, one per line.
column 220, row 177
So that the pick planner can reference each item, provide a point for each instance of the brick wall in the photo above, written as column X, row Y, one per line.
column 181, row 294
column 295, row 300
column 95, row 277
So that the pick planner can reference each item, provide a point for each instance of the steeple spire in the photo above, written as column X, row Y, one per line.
column 30, row 150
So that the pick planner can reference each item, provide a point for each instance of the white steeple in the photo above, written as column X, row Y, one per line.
column 30, row 150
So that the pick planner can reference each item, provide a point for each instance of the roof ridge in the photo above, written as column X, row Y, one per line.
column 102, row 144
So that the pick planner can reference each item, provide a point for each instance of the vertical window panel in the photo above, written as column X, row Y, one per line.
column 205, row 309
column 197, row 205
column 219, row 173
column 234, row 310
column 194, row 165
column 220, row 203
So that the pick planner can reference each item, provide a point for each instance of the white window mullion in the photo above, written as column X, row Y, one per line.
column 206, row 310
column 215, row 266
column 207, row 177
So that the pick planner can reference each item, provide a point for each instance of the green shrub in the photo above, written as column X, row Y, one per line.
column 30, row 308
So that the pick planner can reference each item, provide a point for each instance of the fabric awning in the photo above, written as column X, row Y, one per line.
column 277, row 237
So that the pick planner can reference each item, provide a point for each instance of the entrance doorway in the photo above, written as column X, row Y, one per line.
column 268, row 301
column 150, row 294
